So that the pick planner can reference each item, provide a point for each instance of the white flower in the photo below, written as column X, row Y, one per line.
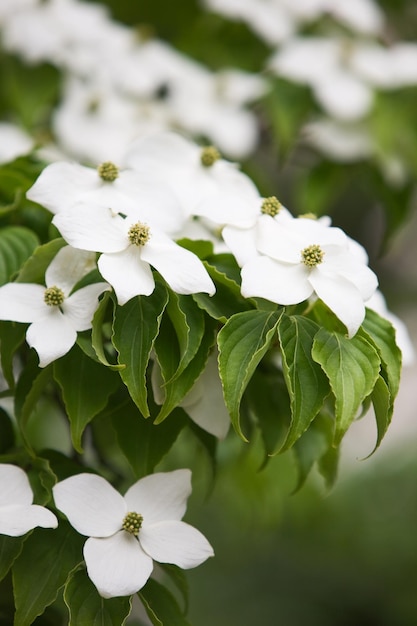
column 301, row 257
column 14, row 142
column 204, row 403
column 130, row 245
column 54, row 313
column 127, row 533
column 17, row 513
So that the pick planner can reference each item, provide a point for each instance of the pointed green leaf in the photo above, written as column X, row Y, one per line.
column 352, row 367
column 16, row 244
column 97, row 339
column 188, row 322
column 383, row 409
column 136, row 325
column 311, row 446
column 87, row 608
column 86, row 387
column 42, row 568
column 33, row 271
column 10, row 548
column 179, row 578
column 161, row 606
column 306, row 382
column 242, row 342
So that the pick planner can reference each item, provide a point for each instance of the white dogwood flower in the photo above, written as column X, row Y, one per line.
column 54, row 313
column 301, row 257
column 17, row 513
column 127, row 533
column 130, row 246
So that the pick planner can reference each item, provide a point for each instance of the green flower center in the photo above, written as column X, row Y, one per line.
column 312, row 255
column 132, row 523
column 271, row 206
column 53, row 296
column 209, row 155
column 139, row 234
column 108, row 171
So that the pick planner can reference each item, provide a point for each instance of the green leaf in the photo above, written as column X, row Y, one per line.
column 312, row 446
column 12, row 335
column 383, row 409
column 10, row 548
column 161, row 606
column 86, row 387
column 136, row 325
column 352, row 367
column 16, row 244
column 97, row 332
column 179, row 578
column 242, row 342
column 177, row 388
column 306, row 382
column 42, row 568
column 200, row 247
column 6, row 432
column 188, row 322
column 33, row 270
column 87, row 608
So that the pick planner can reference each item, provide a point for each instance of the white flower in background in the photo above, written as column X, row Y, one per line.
column 204, row 403
column 302, row 257
column 14, row 142
column 378, row 304
column 196, row 174
column 17, row 513
column 340, row 142
column 127, row 533
column 131, row 244
column 54, row 314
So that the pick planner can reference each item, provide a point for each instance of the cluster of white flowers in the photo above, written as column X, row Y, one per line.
column 126, row 534
column 159, row 87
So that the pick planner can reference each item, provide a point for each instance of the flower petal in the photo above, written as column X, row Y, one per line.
column 51, row 337
column 182, row 270
column 127, row 273
column 117, row 565
column 68, row 266
column 17, row 520
column 80, row 307
column 92, row 505
column 20, row 302
column 14, row 486
column 160, row 496
column 265, row 278
column 242, row 242
column 175, row 542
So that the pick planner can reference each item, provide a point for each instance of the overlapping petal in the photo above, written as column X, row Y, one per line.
column 127, row 273
column 15, row 486
column 264, row 277
column 79, row 307
column 20, row 302
column 68, row 267
column 52, row 336
column 17, row 520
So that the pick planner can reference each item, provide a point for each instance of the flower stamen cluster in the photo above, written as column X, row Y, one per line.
column 209, row 155
column 132, row 523
column 53, row 296
column 312, row 255
column 139, row 234
column 108, row 171
column 271, row 206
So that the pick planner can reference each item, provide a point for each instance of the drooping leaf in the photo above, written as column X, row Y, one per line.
column 42, row 568
column 306, row 382
column 86, row 387
column 383, row 408
column 136, row 325
column 188, row 322
column 312, row 446
column 87, row 608
column 161, row 606
column 352, row 367
column 17, row 243
column 242, row 342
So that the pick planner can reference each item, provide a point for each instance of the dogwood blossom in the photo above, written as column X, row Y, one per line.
column 301, row 257
column 17, row 513
column 130, row 245
column 54, row 314
column 127, row 533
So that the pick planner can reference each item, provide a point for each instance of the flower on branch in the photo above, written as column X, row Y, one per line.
column 17, row 513
column 54, row 312
column 127, row 533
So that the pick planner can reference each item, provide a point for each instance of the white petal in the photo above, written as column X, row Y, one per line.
column 21, row 302
column 356, row 272
column 242, row 242
column 182, row 270
column 127, row 273
column 68, row 267
column 284, row 284
column 51, row 337
column 16, row 520
column 341, row 297
column 60, row 185
column 80, row 307
column 92, row 227
column 175, row 542
column 160, row 496
column 92, row 505
column 14, row 486
column 344, row 96
column 117, row 565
